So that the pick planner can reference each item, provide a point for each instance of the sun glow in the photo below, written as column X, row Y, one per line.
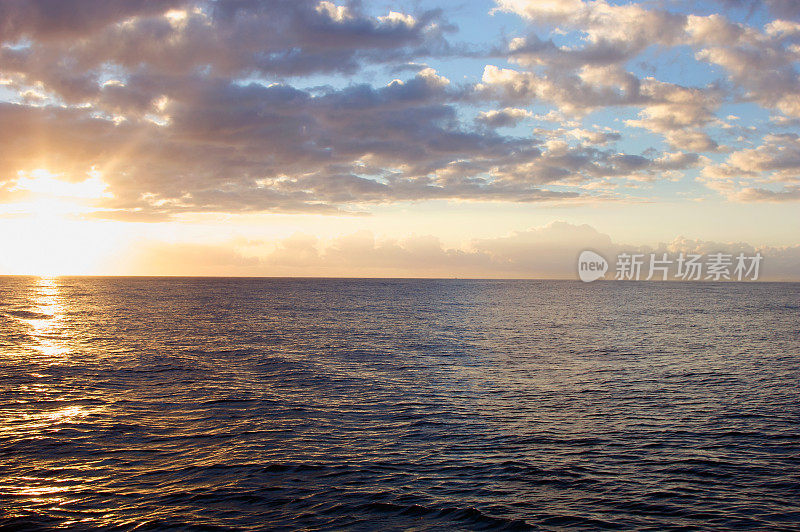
column 44, row 183
column 47, row 231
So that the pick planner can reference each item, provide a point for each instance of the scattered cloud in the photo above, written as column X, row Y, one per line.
column 508, row 117
column 769, row 172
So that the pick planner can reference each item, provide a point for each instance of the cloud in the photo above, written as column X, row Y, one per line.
column 189, row 259
column 223, row 146
column 627, row 29
column 769, row 172
column 231, row 147
column 550, row 251
column 593, row 74
column 790, row 193
column 569, row 93
column 224, row 37
column 581, row 87
column 508, row 117
column 759, row 62
column 50, row 20
column 188, row 106
column 679, row 113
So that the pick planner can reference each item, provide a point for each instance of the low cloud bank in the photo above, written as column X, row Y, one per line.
column 548, row 252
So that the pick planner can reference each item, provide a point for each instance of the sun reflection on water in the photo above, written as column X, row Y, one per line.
column 46, row 317
column 35, row 421
column 40, row 313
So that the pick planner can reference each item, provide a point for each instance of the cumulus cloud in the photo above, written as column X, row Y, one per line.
column 679, row 113
column 508, row 117
column 49, row 20
column 761, row 62
column 769, row 172
column 789, row 193
column 569, row 93
column 579, row 79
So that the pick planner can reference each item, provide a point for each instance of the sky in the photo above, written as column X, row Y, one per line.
column 394, row 139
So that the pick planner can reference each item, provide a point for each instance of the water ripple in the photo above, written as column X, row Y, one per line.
column 279, row 404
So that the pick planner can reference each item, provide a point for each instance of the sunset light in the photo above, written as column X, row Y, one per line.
column 49, row 228
column 429, row 265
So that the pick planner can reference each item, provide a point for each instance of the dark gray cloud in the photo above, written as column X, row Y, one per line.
column 221, row 37
column 49, row 20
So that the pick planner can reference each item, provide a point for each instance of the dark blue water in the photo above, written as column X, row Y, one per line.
column 156, row 404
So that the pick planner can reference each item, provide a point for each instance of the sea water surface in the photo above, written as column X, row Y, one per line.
column 279, row 404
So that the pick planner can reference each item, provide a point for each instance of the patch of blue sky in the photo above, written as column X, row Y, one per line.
column 479, row 40
column 675, row 65
column 471, row 18
column 634, row 139
column 21, row 44
column 461, row 70
column 747, row 123
column 111, row 72
column 315, row 82
column 8, row 95
column 751, row 13
column 746, row 112
column 687, row 185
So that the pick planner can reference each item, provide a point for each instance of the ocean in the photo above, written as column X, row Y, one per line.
column 329, row 404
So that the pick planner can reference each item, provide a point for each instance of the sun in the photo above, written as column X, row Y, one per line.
column 48, row 231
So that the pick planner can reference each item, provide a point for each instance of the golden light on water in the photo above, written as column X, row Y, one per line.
column 42, row 312
column 44, row 316
column 45, row 320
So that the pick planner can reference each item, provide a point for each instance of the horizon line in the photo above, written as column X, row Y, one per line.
column 410, row 278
